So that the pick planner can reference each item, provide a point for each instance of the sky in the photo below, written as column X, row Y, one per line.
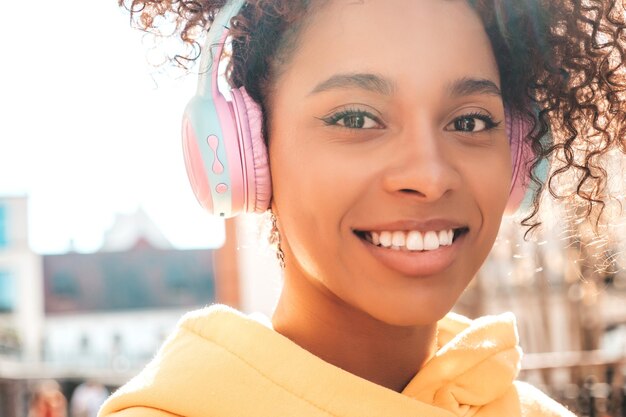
column 89, row 127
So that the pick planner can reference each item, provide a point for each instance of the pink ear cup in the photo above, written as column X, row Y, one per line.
column 517, row 130
column 258, row 183
column 195, row 167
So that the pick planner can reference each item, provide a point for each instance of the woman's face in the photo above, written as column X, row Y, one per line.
column 387, row 138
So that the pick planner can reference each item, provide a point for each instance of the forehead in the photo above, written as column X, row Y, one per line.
column 411, row 42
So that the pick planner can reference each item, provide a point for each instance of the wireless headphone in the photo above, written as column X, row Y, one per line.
column 226, row 157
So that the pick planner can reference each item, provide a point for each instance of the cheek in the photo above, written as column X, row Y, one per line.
column 491, row 184
column 318, row 186
column 495, row 188
column 306, row 199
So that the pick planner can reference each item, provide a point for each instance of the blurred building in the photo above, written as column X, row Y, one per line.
column 21, row 301
column 567, row 289
column 112, row 310
column 21, row 295
column 100, row 316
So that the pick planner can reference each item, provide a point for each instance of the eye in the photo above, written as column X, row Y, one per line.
column 353, row 119
column 472, row 123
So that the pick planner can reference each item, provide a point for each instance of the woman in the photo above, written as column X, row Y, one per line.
column 390, row 127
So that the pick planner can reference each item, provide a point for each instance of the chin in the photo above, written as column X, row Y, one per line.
column 410, row 311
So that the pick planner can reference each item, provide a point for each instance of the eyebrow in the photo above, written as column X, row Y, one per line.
column 378, row 84
column 470, row 86
column 365, row 81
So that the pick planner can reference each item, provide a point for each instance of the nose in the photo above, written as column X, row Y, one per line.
column 421, row 168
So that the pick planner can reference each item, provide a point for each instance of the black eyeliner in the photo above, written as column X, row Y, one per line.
column 334, row 118
column 489, row 122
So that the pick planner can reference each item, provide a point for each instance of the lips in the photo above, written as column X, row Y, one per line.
column 415, row 249
column 413, row 240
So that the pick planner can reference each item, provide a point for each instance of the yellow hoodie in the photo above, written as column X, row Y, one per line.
column 220, row 363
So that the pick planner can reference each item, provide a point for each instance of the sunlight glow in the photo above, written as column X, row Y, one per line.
column 86, row 130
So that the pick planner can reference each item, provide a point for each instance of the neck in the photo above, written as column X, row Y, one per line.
column 318, row 321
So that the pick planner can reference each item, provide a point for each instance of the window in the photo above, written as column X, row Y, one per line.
column 64, row 284
column 7, row 292
column 84, row 344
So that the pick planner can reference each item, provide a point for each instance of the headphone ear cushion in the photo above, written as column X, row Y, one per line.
column 517, row 131
column 522, row 155
column 254, row 152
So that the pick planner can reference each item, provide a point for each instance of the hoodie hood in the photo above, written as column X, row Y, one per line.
column 221, row 363
column 476, row 364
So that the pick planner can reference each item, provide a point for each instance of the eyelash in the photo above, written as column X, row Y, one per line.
column 335, row 118
column 488, row 120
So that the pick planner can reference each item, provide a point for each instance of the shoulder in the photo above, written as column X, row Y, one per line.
column 138, row 412
column 534, row 403
column 524, row 400
column 175, row 382
column 214, row 318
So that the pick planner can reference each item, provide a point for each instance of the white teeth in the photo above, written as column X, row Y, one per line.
column 443, row 238
column 385, row 239
column 431, row 241
column 397, row 239
column 414, row 241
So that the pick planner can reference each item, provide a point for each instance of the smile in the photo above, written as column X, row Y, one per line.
column 412, row 240
column 413, row 252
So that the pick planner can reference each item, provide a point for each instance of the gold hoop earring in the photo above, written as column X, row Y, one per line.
column 274, row 239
